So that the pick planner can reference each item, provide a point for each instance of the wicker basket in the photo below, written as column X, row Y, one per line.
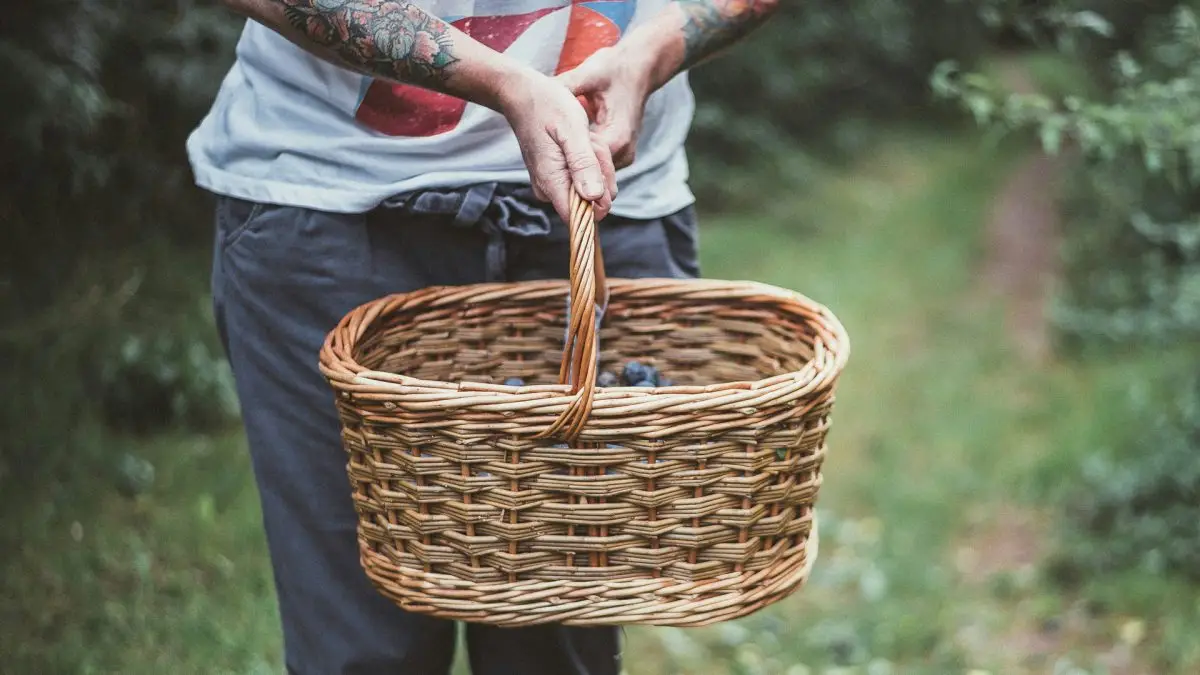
column 681, row 505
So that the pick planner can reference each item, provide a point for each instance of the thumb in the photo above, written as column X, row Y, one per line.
column 573, row 79
column 582, row 78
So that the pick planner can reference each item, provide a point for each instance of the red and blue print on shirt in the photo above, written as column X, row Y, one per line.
column 404, row 110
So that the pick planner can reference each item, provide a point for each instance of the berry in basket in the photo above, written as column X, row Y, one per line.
column 635, row 372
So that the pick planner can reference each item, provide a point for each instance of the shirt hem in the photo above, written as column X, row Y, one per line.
column 332, row 200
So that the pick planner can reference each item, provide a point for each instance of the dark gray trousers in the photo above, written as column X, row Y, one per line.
column 282, row 277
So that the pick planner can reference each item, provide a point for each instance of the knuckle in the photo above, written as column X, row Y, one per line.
column 620, row 137
column 554, row 128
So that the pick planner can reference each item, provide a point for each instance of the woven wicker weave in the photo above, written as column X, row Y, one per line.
column 681, row 505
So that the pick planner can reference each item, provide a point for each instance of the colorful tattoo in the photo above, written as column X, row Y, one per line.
column 394, row 40
column 712, row 25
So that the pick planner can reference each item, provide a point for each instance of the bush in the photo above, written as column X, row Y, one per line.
column 97, row 187
column 128, row 345
column 1141, row 511
column 816, row 80
column 157, row 377
column 1133, row 219
column 1131, row 254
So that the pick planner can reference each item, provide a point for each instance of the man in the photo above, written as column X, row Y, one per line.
column 364, row 147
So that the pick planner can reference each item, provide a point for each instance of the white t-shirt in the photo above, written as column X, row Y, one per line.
column 290, row 128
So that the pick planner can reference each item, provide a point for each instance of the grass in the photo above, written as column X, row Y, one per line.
column 947, row 454
column 174, row 580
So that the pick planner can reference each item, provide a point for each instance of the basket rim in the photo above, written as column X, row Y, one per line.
column 352, row 380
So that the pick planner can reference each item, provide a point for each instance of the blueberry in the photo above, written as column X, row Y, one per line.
column 633, row 373
column 645, row 383
column 651, row 375
column 607, row 379
column 514, row 382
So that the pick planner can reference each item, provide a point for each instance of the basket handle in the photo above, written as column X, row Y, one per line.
column 589, row 291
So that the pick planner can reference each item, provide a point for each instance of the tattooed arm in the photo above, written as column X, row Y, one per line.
column 616, row 81
column 396, row 40
column 710, row 26
column 689, row 32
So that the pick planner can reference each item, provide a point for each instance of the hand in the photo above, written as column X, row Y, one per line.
column 614, row 87
column 552, row 130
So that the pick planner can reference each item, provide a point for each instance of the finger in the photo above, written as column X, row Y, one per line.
column 574, row 79
column 587, row 107
column 620, row 143
column 602, row 205
column 552, row 183
column 624, row 157
column 584, row 167
column 606, row 164
column 561, row 199
column 555, row 190
column 587, row 76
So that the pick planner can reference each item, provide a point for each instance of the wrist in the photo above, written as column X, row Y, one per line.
column 512, row 87
column 650, row 53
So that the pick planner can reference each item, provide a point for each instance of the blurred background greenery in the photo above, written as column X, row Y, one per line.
column 998, row 197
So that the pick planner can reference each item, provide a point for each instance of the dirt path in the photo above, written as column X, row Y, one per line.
column 1018, row 270
column 1019, row 267
column 1021, row 240
column 1021, row 255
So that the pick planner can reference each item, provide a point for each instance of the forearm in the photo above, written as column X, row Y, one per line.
column 391, row 40
column 689, row 32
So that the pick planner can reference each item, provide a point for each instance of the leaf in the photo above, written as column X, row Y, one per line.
column 206, row 508
column 981, row 107
column 1127, row 66
column 1092, row 21
column 1153, row 160
column 1051, row 133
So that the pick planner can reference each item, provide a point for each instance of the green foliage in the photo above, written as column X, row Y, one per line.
column 1133, row 215
column 129, row 344
column 93, row 154
column 1154, row 110
column 1140, row 510
column 91, row 148
column 158, row 379
column 1131, row 254
column 825, row 73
